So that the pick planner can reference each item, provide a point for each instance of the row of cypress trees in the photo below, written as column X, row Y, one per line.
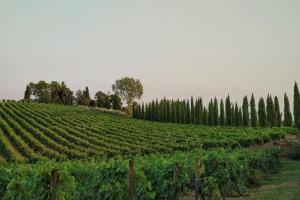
column 222, row 113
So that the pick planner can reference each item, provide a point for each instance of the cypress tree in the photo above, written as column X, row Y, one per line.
column 146, row 111
column 167, row 111
column 153, row 110
column 205, row 116
column 211, row 113
column 253, row 112
column 288, row 120
column 197, row 117
column 27, row 93
column 296, row 106
column 277, row 112
column 232, row 114
column 228, row 111
column 173, row 112
column 143, row 111
column 149, row 111
column 162, row 112
column 134, row 110
column 270, row 112
column 188, row 112
column 245, row 112
column 201, row 111
column 156, row 114
column 216, row 112
column 178, row 109
column 240, row 118
column 192, row 111
column 222, row 113
column 86, row 93
column 183, row 108
column 137, row 111
column 236, row 115
column 262, row 116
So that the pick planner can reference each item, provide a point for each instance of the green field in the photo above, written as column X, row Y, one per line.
column 91, row 149
column 30, row 131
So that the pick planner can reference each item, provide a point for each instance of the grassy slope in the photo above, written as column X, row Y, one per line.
column 284, row 185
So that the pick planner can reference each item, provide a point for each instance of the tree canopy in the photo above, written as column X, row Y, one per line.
column 128, row 89
column 53, row 92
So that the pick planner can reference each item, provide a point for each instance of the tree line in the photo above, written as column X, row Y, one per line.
column 222, row 113
column 127, row 89
column 59, row 93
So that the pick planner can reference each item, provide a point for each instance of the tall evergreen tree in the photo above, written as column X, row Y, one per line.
column 296, row 106
column 277, row 112
column 134, row 110
column 288, row 120
column 183, row 108
column 253, row 112
column 205, row 116
column 153, row 111
column 236, row 115
column 271, row 115
column 173, row 112
column 232, row 115
column 216, row 112
column 211, row 113
column 146, row 111
column 197, row 117
column 200, row 111
column 188, row 112
column 143, row 111
column 240, row 118
column 192, row 111
column 228, row 111
column 262, row 115
column 178, row 114
column 86, row 93
column 245, row 112
column 27, row 93
column 157, row 118
column 222, row 113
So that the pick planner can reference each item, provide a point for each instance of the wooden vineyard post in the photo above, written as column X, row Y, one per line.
column 53, row 183
column 131, row 181
column 176, row 178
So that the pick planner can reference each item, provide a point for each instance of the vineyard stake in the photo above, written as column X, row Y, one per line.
column 53, row 183
column 176, row 177
column 131, row 181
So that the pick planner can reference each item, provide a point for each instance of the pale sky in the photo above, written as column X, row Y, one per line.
column 176, row 48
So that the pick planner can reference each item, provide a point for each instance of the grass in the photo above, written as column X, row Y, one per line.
column 284, row 185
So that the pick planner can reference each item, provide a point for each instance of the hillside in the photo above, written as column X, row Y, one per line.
column 30, row 131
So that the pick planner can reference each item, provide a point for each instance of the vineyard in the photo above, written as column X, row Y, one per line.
column 219, row 173
column 31, row 131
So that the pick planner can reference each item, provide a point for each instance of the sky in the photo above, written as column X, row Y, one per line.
column 176, row 48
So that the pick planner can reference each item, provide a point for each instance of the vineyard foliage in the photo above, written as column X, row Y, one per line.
column 32, row 131
column 222, row 172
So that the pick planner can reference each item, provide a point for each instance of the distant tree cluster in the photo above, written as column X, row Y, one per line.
column 53, row 92
column 223, row 113
column 126, row 89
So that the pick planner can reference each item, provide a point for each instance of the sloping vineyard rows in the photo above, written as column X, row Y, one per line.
column 31, row 131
